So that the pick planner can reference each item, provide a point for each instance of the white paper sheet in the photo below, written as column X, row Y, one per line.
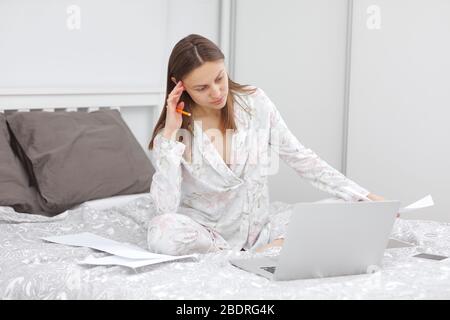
column 90, row 240
column 422, row 203
column 131, row 263
column 125, row 254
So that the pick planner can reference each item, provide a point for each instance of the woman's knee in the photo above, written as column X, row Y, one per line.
column 177, row 234
column 158, row 238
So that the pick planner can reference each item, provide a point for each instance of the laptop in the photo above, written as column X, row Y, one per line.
column 329, row 239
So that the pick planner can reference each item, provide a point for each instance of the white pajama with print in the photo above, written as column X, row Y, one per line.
column 203, row 205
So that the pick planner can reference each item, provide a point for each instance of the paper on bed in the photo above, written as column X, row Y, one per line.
column 90, row 240
column 422, row 203
column 131, row 263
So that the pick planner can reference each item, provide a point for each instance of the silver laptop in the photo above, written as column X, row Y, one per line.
column 329, row 239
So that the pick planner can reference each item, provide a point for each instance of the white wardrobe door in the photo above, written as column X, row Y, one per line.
column 399, row 101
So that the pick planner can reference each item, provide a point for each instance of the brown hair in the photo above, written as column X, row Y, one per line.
column 188, row 54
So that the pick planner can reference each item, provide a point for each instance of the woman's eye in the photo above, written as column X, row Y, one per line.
column 218, row 79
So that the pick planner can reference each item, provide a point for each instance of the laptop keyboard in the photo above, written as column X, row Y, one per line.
column 270, row 269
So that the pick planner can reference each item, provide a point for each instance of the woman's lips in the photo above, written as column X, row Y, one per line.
column 218, row 101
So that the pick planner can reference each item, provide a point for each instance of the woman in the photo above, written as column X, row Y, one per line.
column 210, row 183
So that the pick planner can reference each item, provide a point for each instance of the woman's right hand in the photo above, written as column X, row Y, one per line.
column 173, row 118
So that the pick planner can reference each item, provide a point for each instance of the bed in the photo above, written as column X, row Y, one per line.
column 31, row 268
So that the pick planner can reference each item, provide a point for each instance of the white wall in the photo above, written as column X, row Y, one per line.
column 116, row 46
column 192, row 16
column 295, row 51
column 399, row 102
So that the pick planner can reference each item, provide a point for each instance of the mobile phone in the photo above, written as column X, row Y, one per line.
column 430, row 256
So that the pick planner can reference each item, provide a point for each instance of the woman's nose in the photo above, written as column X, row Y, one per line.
column 215, row 93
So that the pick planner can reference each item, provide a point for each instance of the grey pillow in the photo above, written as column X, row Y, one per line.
column 15, row 191
column 73, row 157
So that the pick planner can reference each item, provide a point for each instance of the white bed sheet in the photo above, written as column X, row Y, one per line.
column 104, row 203
column 34, row 269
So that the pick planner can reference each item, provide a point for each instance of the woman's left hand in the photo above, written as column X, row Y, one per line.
column 274, row 243
column 375, row 197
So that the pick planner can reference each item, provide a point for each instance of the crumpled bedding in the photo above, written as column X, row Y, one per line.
column 31, row 268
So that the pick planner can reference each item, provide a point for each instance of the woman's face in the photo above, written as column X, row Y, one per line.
column 207, row 84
